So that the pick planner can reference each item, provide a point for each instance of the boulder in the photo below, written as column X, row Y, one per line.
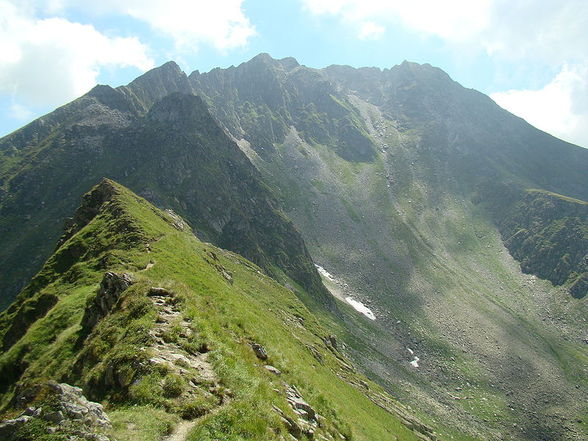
column 75, row 406
column 259, row 351
column 157, row 291
column 9, row 427
column 63, row 409
column 273, row 369
column 299, row 405
column 331, row 341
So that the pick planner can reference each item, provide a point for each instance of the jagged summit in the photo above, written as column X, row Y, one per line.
column 150, row 87
column 287, row 63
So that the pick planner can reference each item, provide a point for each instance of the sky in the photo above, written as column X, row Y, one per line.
column 530, row 56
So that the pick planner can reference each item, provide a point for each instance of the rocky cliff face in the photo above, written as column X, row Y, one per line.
column 548, row 234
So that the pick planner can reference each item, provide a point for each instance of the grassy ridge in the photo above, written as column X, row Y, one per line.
column 224, row 314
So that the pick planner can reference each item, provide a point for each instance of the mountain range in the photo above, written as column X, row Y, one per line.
column 441, row 238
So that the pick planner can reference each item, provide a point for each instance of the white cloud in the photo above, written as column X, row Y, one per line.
column 220, row 22
column 20, row 112
column 47, row 58
column 549, row 30
column 560, row 108
column 371, row 31
column 190, row 23
column 450, row 19
column 49, row 61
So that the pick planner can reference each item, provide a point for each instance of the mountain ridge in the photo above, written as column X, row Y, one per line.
column 406, row 189
column 119, row 143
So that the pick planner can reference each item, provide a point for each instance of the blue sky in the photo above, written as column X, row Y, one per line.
column 531, row 56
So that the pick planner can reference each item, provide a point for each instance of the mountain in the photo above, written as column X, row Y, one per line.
column 174, row 154
column 450, row 234
column 176, row 337
column 443, row 213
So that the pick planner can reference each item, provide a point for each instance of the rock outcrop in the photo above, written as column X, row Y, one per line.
column 111, row 287
column 57, row 408
column 259, row 350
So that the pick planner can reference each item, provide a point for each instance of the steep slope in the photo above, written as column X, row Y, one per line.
column 548, row 234
column 174, row 154
column 413, row 231
column 176, row 337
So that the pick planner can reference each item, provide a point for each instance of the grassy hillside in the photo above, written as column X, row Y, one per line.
column 172, row 349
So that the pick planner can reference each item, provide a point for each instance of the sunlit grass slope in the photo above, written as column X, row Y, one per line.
column 223, row 303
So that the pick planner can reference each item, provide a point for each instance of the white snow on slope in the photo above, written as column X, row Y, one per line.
column 338, row 292
column 323, row 272
column 415, row 359
column 360, row 307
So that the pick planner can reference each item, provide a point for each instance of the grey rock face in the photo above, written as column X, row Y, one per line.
column 75, row 406
column 299, row 405
column 9, row 427
column 273, row 370
column 111, row 287
column 69, row 412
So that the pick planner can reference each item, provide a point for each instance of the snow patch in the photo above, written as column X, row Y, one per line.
column 360, row 307
column 323, row 272
column 415, row 360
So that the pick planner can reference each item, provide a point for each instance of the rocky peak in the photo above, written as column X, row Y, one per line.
column 89, row 208
column 422, row 71
column 110, row 97
column 289, row 63
column 262, row 59
column 156, row 84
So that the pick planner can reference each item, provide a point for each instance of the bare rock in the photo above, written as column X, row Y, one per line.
column 75, row 406
column 273, row 369
column 259, row 351
column 159, row 292
column 69, row 413
column 177, row 222
column 111, row 287
column 331, row 341
column 299, row 405
column 9, row 427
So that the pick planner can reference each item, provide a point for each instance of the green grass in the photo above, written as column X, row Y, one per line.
column 145, row 423
column 145, row 401
column 557, row 195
